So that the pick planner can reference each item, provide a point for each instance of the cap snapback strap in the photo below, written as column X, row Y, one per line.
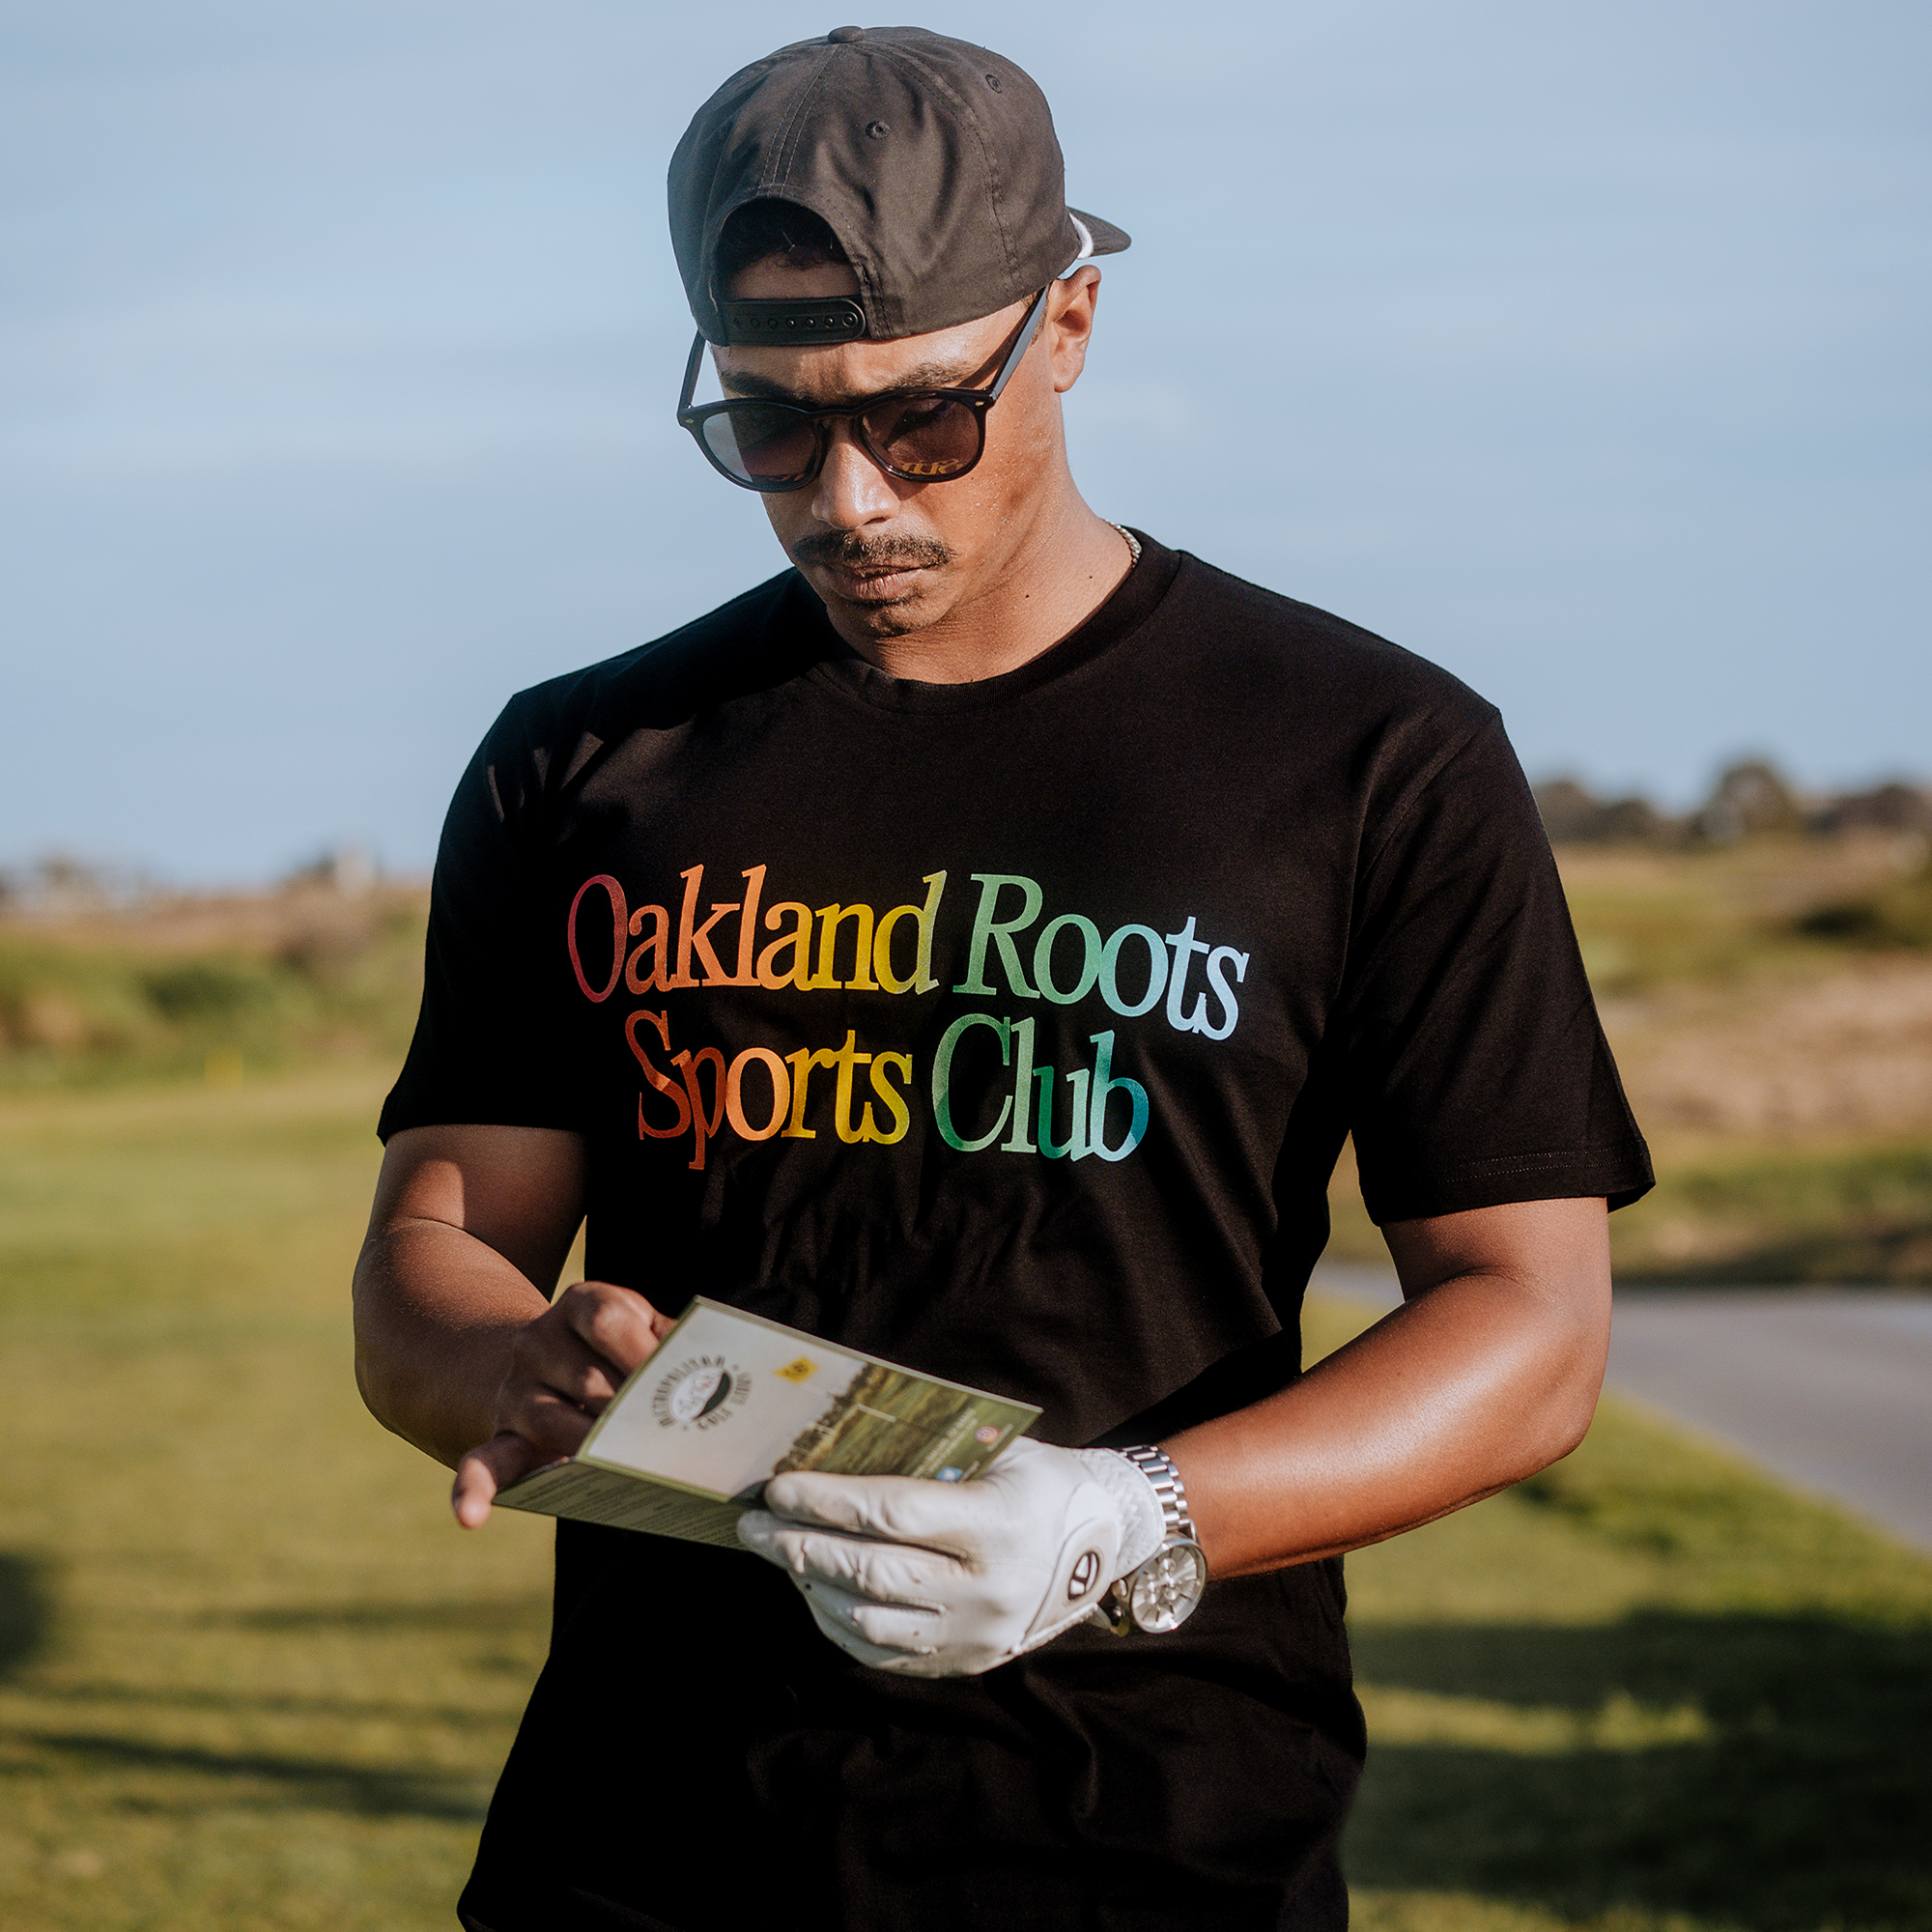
column 824, row 319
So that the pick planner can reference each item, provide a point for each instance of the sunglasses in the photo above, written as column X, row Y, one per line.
column 920, row 436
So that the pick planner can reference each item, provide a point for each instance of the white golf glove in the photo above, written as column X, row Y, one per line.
column 948, row 1580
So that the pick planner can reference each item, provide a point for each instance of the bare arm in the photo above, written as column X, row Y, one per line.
column 457, row 1342
column 1489, row 1371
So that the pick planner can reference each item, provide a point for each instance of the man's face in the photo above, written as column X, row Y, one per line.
column 891, row 556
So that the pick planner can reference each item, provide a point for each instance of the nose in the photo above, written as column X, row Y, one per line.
column 852, row 491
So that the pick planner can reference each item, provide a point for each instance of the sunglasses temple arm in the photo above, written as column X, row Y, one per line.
column 691, row 375
column 1028, row 330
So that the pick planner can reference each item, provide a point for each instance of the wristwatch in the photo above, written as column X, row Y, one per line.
column 1163, row 1593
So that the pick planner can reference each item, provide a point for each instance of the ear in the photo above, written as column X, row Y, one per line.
column 1070, row 324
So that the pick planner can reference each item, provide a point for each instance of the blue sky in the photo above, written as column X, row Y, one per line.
column 1579, row 348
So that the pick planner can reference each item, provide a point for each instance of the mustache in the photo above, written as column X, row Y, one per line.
column 850, row 551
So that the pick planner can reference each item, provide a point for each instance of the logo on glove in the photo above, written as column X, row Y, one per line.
column 1086, row 1575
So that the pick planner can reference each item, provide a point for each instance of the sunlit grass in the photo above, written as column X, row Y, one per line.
column 1646, row 1690
column 1842, row 1214
column 257, row 1679
column 1766, row 907
column 250, row 1677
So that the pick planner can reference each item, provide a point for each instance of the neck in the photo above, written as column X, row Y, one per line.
column 1059, row 567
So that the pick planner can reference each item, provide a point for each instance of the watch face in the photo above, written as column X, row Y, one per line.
column 1163, row 1591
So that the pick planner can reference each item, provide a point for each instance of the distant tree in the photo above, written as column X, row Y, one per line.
column 1896, row 807
column 1573, row 817
column 1750, row 797
column 1569, row 812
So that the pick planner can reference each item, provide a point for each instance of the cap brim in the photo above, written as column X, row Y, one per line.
column 1107, row 239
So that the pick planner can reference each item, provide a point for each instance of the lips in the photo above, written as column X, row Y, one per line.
column 872, row 586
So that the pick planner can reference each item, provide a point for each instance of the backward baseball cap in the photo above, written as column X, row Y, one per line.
column 933, row 161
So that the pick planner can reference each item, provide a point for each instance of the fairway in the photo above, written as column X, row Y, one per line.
column 251, row 1677
column 255, row 1677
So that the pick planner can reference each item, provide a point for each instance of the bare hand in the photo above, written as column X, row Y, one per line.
column 564, row 1368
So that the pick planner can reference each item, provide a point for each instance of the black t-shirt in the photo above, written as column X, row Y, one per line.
column 1010, row 1030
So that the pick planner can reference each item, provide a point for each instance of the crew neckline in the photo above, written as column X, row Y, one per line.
column 1127, row 608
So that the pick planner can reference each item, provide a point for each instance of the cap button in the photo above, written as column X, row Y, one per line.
column 841, row 37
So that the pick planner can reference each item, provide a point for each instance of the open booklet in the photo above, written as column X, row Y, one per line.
column 729, row 1400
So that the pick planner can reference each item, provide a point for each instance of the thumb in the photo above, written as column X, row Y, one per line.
column 492, row 1465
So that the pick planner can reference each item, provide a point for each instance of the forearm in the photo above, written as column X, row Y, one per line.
column 437, row 1315
column 1472, row 1385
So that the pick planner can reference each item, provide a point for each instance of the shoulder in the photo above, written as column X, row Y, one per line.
column 705, row 661
column 550, row 736
column 1241, row 635
column 1276, row 685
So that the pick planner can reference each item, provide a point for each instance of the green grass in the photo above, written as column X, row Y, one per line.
column 250, row 1676
column 1766, row 907
column 1646, row 1690
column 1860, row 1215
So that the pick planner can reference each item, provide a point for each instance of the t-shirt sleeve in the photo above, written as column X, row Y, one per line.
column 1475, row 1065
column 483, row 1053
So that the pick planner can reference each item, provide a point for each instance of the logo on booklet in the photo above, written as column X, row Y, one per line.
column 1086, row 1574
column 700, row 1392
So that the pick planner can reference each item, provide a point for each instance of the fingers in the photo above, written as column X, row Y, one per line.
column 886, row 1627
column 956, row 1518
column 839, row 1628
column 756, row 1530
column 874, row 1631
column 549, row 1354
column 843, row 1581
column 887, row 1573
column 616, row 1324
column 491, row 1467
column 581, row 1348
column 565, row 1369
column 947, row 1516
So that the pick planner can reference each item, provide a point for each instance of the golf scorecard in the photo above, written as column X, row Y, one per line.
column 729, row 1400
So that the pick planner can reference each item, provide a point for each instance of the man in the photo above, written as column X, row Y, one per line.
column 974, row 945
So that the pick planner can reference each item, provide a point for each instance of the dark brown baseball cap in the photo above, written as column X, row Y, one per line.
column 933, row 161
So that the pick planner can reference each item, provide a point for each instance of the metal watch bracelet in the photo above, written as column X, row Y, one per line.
column 1158, row 1466
column 1162, row 1593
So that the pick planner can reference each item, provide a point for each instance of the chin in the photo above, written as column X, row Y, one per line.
column 889, row 617
column 888, row 620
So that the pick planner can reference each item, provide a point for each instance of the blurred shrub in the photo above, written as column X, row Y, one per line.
column 207, row 988
column 1898, row 915
column 1861, row 1214
column 214, row 991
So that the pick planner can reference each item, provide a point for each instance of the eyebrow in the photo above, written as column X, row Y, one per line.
column 924, row 375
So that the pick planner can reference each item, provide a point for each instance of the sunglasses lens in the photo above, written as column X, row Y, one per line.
column 761, row 445
column 923, row 439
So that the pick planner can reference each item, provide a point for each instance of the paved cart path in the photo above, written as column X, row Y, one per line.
column 1830, row 1388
